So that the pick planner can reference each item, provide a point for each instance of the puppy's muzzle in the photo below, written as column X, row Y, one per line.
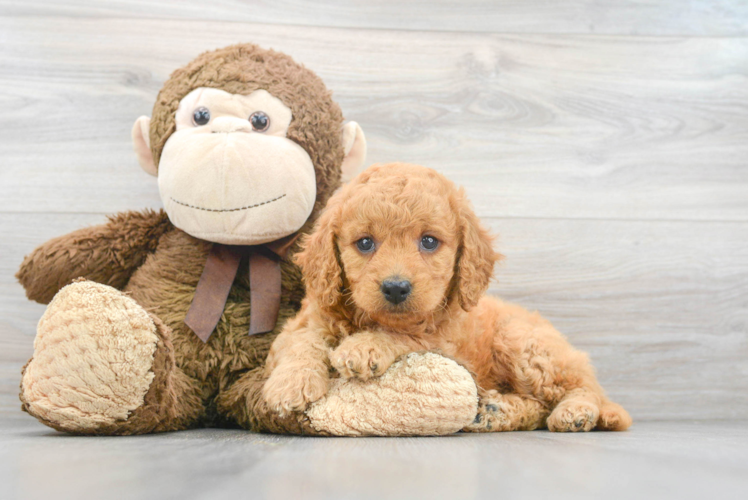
column 396, row 290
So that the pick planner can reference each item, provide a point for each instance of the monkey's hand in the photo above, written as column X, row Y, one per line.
column 107, row 254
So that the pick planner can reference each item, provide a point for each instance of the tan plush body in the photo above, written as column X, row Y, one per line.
column 399, row 263
column 113, row 354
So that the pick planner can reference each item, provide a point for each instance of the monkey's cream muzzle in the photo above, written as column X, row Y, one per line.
column 236, row 188
column 226, row 182
column 228, row 177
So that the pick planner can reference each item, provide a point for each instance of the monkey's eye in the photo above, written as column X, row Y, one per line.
column 429, row 243
column 260, row 121
column 201, row 116
column 365, row 245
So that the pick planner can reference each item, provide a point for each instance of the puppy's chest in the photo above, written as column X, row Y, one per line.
column 472, row 345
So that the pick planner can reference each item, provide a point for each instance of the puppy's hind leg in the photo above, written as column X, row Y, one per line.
column 613, row 417
column 507, row 412
column 578, row 410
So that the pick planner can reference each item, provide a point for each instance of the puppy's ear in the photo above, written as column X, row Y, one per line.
column 319, row 259
column 475, row 257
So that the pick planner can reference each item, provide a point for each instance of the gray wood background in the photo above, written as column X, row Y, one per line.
column 606, row 142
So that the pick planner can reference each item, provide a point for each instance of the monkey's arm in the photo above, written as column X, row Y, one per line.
column 108, row 254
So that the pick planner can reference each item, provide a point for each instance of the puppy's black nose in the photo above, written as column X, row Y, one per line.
column 396, row 290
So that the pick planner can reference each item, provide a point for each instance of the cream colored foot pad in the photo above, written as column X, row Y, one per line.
column 93, row 353
column 421, row 394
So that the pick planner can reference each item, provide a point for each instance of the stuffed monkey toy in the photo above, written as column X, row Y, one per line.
column 161, row 320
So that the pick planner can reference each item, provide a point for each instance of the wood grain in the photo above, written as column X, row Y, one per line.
column 616, row 17
column 533, row 126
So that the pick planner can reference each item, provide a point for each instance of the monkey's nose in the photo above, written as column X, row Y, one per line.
column 228, row 124
column 396, row 290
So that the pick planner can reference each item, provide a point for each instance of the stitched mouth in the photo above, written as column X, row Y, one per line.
column 227, row 209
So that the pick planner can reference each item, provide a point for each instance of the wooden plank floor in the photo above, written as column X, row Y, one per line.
column 655, row 460
column 605, row 142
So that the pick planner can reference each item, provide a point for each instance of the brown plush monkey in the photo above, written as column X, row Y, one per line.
column 170, row 314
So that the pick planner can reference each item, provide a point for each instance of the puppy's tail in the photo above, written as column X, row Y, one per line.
column 613, row 417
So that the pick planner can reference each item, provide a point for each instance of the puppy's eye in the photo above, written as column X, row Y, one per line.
column 201, row 116
column 429, row 243
column 260, row 121
column 365, row 245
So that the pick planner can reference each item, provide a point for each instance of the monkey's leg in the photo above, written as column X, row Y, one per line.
column 103, row 365
column 244, row 403
column 421, row 394
column 507, row 412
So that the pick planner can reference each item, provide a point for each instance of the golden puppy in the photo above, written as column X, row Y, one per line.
column 399, row 262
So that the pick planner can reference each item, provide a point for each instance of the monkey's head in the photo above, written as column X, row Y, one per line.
column 247, row 145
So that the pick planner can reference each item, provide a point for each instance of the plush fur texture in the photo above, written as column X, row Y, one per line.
column 107, row 254
column 528, row 374
column 158, row 266
column 242, row 69
column 93, row 374
column 422, row 394
column 84, row 379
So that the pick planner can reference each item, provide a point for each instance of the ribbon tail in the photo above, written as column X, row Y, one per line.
column 264, row 292
column 212, row 290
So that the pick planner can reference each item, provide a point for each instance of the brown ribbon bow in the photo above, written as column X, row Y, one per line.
column 218, row 276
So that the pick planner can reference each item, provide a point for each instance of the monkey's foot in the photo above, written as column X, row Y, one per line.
column 421, row 394
column 93, row 358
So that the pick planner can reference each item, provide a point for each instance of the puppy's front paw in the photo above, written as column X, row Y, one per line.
column 292, row 389
column 357, row 356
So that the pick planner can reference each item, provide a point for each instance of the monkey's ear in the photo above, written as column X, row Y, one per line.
column 141, row 143
column 354, row 145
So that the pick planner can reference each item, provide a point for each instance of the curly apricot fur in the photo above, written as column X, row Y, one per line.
column 528, row 374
